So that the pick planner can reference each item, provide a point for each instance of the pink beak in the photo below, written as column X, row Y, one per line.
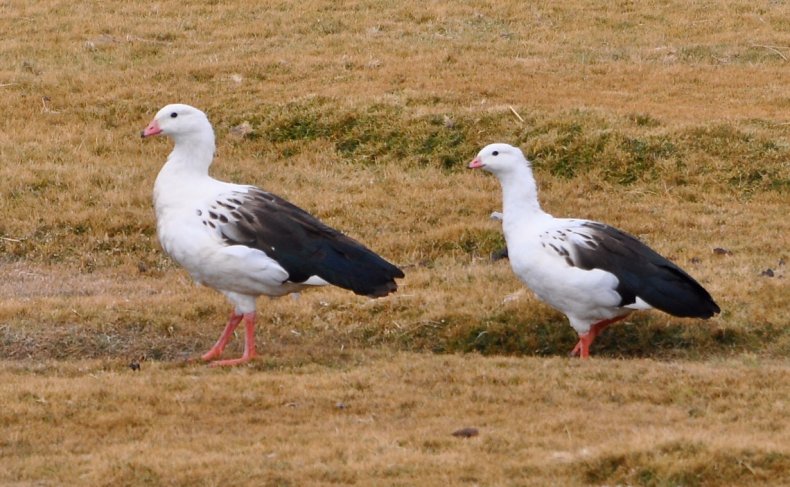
column 476, row 163
column 152, row 129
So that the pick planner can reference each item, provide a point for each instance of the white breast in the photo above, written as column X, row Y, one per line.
column 583, row 295
column 200, row 249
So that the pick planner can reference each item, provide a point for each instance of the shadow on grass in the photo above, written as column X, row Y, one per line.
column 642, row 336
column 505, row 333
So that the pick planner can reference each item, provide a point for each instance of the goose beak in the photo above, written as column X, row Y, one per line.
column 152, row 129
column 476, row 163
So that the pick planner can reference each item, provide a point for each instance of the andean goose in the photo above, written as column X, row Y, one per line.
column 593, row 273
column 243, row 241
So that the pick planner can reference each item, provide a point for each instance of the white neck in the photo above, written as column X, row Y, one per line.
column 185, row 172
column 519, row 193
column 191, row 156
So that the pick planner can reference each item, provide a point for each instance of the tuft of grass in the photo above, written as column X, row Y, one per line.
column 690, row 464
column 366, row 135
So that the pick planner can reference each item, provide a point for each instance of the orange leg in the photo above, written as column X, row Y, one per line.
column 249, row 344
column 219, row 347
column 582, row 349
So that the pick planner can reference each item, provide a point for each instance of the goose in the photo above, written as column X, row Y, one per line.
column 593, row 273
column 244, row 241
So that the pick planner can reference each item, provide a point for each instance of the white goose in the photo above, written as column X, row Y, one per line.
column 593, row 273
column 243, row 241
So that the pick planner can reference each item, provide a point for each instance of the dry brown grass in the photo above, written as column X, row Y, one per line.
column 667, row 119
column 382, row 419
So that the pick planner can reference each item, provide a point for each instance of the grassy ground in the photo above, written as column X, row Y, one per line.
column 666, row 119
column 387, row 419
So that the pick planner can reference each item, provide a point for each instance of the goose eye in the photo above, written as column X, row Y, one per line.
column 495, row 153
column 173, row 115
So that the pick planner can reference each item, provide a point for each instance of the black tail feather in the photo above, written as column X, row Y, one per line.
column 675, row 292
column 348, row 264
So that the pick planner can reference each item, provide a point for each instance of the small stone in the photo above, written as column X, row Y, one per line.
column 767, row 273
column 466, row 432
column 722, row 251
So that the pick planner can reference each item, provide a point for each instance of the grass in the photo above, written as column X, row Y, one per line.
column 380, row 418
column 662, row 118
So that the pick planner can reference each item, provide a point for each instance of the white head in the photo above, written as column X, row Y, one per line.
column 180, row 122
column 499, row 159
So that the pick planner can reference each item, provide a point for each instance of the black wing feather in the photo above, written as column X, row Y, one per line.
column 304, row 246
column 644, row 273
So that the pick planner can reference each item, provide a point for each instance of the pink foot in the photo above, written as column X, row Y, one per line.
column 233, row 361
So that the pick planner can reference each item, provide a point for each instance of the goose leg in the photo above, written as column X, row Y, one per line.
column 219, row 347
column 584, row 344
column 249, row 344
column 582, row 348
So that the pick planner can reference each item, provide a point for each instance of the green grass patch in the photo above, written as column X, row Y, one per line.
column 619, row 150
